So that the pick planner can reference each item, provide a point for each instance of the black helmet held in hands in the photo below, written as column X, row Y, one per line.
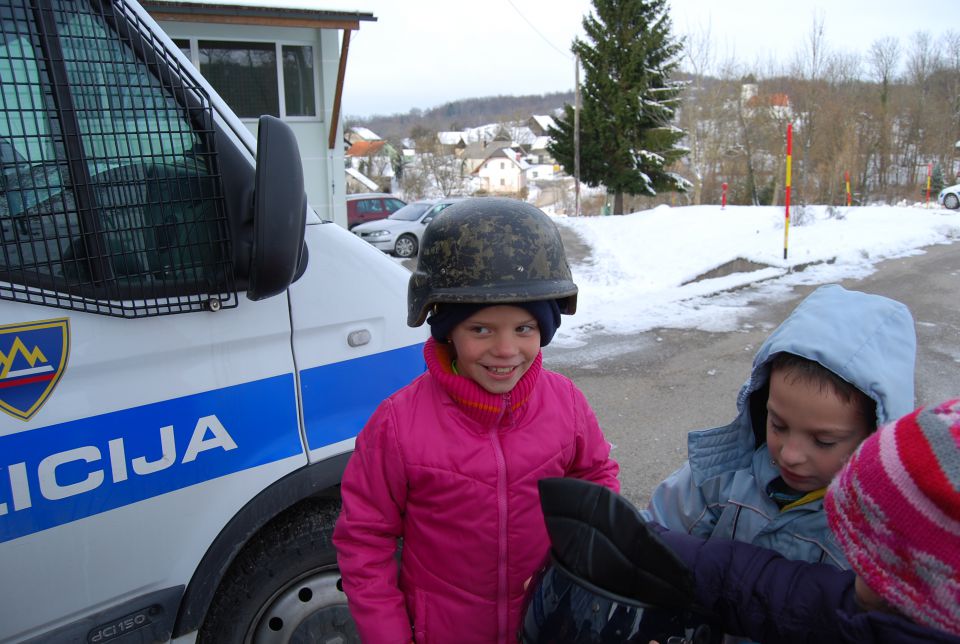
column 490, row 250
column 611, row 580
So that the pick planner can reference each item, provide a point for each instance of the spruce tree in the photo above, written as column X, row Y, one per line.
column 627, row 102
column 937, row 182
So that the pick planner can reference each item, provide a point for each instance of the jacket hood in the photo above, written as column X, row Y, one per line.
column 868, row 340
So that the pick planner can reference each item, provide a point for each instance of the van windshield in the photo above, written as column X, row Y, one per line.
column 410, row 212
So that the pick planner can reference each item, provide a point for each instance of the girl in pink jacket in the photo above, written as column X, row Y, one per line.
column 450, row 463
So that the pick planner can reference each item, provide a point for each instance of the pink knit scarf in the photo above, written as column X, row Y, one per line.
column 475, row 401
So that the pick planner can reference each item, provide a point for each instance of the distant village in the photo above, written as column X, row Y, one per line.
column 504, row 159
column 511, row 159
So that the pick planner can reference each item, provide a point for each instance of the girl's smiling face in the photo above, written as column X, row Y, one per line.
column 496, row 345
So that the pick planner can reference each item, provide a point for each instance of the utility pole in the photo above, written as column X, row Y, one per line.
column 576, row 135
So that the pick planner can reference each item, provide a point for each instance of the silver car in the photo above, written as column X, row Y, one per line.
column 949, row 197
column 400, row 233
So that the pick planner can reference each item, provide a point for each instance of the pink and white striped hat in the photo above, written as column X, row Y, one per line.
column 895, row 510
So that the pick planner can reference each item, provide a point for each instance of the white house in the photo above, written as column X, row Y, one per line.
column 541, row 172
column 451, row 139
column 540, row 124
column 474, row 154
column 374, row 159
column 539, row 154
column 504, row 171
column 777, row 105
column 265, row 59
column 359, row 182
column 358, row 133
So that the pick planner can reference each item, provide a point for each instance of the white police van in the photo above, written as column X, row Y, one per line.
column 186, row 351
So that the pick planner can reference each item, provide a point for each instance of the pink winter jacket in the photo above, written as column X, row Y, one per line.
column 453, row 470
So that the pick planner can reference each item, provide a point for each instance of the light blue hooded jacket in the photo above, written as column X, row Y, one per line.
column 869, row 341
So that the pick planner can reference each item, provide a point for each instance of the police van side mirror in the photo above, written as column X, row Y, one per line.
column 279, row 211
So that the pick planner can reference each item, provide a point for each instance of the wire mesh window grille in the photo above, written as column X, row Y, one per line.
column 110, row 194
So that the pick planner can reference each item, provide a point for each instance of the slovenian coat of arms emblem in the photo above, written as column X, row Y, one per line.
column 33, row 357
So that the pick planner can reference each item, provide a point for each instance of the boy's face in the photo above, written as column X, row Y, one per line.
column 496, row 345
column 811, row 431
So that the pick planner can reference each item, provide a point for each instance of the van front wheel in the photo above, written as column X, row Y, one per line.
column 283, row 587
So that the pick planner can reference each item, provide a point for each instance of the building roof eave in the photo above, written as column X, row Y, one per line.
column 249, row 14
column 185, row 11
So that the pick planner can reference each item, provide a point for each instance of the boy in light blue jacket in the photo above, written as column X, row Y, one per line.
column 838, row 367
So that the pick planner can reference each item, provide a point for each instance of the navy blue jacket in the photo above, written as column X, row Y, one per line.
column 759, row 594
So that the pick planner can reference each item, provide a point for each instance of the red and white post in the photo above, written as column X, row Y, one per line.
column 723, row 198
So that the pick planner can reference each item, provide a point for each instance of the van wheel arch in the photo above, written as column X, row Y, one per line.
column 284, row 585
column 316, row 484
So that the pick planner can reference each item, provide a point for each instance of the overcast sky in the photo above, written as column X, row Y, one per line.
column 423, row 53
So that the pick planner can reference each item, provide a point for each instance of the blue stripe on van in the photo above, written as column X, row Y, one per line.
column 339, row 398
column 61, row 473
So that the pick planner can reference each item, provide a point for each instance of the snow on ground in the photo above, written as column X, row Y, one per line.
column 643, row 268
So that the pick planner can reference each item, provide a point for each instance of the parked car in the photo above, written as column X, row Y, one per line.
column 400, row 233
column 949, row 197
column 371, row 206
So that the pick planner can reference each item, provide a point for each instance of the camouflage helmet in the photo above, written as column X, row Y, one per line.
column 490, row 250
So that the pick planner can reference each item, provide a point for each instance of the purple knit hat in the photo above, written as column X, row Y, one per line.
column 446, row 316
column 895, row 509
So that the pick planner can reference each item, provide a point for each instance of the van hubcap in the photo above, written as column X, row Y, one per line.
column 311, row 609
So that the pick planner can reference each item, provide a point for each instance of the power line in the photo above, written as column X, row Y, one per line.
column 537, row 31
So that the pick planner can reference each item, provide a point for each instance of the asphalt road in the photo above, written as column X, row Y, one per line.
column 648, row 390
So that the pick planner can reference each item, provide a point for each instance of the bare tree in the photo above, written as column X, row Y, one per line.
column 883, row 60
column 950, row 46
column 694, row 115
column 809, row 69
column 746, row 122
column 444, row 171
column 922, row 60
column 811, row 61
column 415, row 184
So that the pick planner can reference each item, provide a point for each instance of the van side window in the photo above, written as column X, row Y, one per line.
column 110, row 199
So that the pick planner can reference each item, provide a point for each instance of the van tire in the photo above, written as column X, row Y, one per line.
column 284, row 586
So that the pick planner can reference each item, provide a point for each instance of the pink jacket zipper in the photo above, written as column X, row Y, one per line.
column 503, row 597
